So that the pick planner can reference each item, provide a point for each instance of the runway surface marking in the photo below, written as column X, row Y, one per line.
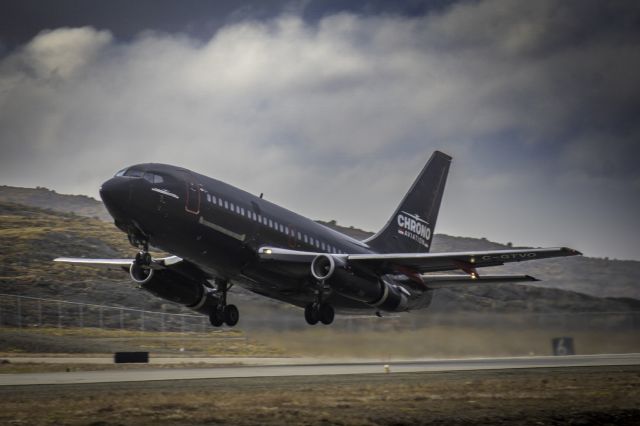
column 317, row 369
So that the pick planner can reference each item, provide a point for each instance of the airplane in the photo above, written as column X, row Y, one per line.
column 220, row 236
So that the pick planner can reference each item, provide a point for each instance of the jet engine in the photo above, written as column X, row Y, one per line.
column 139, row 273
column 177, row 288
column 378, row 293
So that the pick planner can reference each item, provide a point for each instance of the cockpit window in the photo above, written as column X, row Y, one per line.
column 132, row 172
column 121, row 172
column 153, row 178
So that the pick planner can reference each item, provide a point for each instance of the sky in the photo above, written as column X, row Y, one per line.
column 331, row 108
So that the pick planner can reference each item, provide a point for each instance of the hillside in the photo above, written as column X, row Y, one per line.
column 48, row 199
column 31, row 237
column 593, row 276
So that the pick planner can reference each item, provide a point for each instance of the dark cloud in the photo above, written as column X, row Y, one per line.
column 536, row 101
column 21, row 20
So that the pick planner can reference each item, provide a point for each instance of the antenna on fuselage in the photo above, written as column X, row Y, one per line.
column 261, row 194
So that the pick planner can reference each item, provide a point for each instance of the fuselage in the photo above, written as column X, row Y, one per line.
column 220, row 228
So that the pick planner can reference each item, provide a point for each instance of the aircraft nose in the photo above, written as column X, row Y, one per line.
column 115, row 195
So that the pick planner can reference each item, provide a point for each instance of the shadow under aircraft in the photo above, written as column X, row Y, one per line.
column 220, row 236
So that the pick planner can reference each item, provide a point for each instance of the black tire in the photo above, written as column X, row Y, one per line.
column 311, row 314
column 326, row 313
column 231, row 315
column 216, row 317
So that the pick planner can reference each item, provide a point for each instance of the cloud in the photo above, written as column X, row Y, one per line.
column 334, row 118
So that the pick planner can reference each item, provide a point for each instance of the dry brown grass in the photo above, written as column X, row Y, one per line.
column 447, row 341
column 213, row 343
column 554, row 396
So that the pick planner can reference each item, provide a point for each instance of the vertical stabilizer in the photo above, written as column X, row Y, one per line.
column 411, row 227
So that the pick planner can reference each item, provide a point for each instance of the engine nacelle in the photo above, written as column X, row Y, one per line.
column 393, row 298
column 324, row 266
column 140, row 274
column 177, row 288
column 379, row 294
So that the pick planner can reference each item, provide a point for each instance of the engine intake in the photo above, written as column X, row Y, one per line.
column 139, row 273
column 324, row 266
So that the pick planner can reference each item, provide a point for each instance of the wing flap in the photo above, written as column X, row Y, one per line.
column 458, row 280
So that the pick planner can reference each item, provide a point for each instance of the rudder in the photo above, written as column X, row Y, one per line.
column 411, row 227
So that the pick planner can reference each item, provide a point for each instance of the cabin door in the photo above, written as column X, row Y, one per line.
column 192, row 200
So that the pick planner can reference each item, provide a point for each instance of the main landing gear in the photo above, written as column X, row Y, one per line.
column 223, row 313
column 315, row 313
column 319, row 311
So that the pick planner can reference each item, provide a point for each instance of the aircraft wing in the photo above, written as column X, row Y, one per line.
column 420, row 263
column 466, row 261
column 117, row 263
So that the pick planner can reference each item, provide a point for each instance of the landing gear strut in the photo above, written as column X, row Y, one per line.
column 319, row 311
column 223, row 313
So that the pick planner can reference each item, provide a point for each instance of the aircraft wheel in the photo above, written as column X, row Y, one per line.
column 216, row 317
column 326, row 313
column 311, row 314
column 231, row 315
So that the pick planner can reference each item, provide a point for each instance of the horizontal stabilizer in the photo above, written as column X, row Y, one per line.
column 440, row 281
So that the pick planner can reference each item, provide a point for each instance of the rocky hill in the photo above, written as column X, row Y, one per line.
column 31, row 237
column 48, row 199
column 593, row 276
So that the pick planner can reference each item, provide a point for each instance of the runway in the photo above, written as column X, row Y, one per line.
column 316, row 369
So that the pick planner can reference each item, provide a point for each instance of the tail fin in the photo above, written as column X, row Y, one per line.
column 411, row 227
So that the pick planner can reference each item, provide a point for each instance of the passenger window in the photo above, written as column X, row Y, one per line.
column 220, row 202
column 299, row 236
column 305, row 238
column 226, row 204
column 270, row 223
column 213, row 199
column 158, row 179
column 208, row 198
column 242, row 211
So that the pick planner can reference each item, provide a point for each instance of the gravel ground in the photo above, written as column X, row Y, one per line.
column 553, row 396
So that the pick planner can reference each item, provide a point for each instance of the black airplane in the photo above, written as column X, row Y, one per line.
column 221, row 236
